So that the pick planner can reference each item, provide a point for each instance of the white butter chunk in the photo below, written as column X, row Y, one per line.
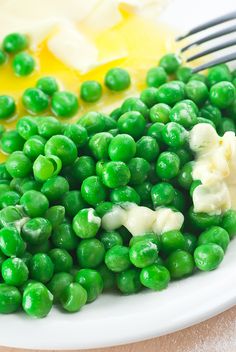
column 139, row 220
column 167, row 220
column 114, row 219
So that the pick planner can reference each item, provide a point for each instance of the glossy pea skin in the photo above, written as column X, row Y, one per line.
column 117, row 258
column 179, row 202
column 55, row 215
column 156, row 277
column 139, row 170
column 226, row 125
column 117, row 79
column 190, row 242
column 44, row 167
column 15, row 42
column 156, row 76
column 93, row 121
column 7, row 107
column 147, row 148
column 170, row 63
column 27, row 127
column 73, row 202
column 208, row 256
column 171, row 93
column 155, row 131
column 122, row 148
column 124, row 194
column 34, row 100
column 184, row 113
column 150, row 237
column 41, row 268
column 211, row 113
column 115, row 174
column 171, row 241
column 160, row 113
column 180, row 264
column 10, row 299
column 37, row 300
column 229, row 222
column 49, row 126
column 222, row 94
column 93, row 191
column 149, row 96
column 73, row 298
column 183, row 74
column 132, row 123
column 64, row 104
column 128, row 281
column 9, row 198
column 23, row 64
column 48, row 85
column 203, row 220
column 34, row 203
column 55, row 187
column 135, row 104
column 86, row 223
column 218, row 73
column 110, row 239
column 215, row 234
column 144, row 192
column 185, row 179
column 78, row 134
column 162, row 194
column 90, row 253
column 103, row 208
column 58, row 283
column 108, row 277
column 197, row 91
column 83, row 168
column 91, row 281
column 43, row 247
column 11, row 141
column 90, row 91
column 18, row 165
column 11, row 243
column 14, row 272
column 9, row 215
column 143, row 253
column 99, row 144
column 36, row 231
column 174, row 135
column 64, row 237
column 34, row 146
column 61, row 259
column 63, row 148
column 167, row 166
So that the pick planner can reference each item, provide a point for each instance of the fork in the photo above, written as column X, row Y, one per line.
column 217, row 34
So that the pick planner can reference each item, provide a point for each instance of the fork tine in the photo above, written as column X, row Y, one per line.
column 212, row 50
column 214, row 22
column 220, row 60
column 209, row 37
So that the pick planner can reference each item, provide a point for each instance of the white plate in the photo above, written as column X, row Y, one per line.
column 114, row 319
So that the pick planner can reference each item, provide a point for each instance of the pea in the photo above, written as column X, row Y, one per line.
column 116, row 174
column 184, row 73
column 190, row 242
column 197, row 91
column 83, row 168
column 37, row 300
column 111, row 239
column 90, row 91
column 155, row 131
column 15, row 42
column 41, row 268
column 124, row 194
column 160, row 113
column 171, row 241
column 174, row 135
column 203, row 220
column 10, row 299
column 170, row 62
column 18, row 165
column 218, row 74
column 34, row 203
column 108, row 277
column 222, row 94
column 149, row 96
column 184, row 113
column 55, row 215
column 61, row 259
column 23, row 64
column 99, row 144
column 43, row 247
column 185, row 176
column 9, row 198
column 128, row 281
column 78, row 134
column 73, row 298
column 64, row 237
column 198, row 77
column 7, row 107
column 139, row 170
column 162, row 194
column 117, row 258
column 147, row 148
column 180, row 264
column 143, row 253
column 179, row 201
column 134, row 104
column 86, row 223
column 58, row 284
column 90, row 253
column 34, row 147
column 103, row 208
column 93, row 121
column 211, row 113
column 229, row 222
column 11, row 141
column 55, row 187
column 48, row 126
column 215, row 234
column 144, row 191
column 48, row 85
column 208, row 256
column 132, row 123
column 117, row 79
column 226, row 125
column 171, row 93
column 150, row 237
column 64, row 104
column 27, row 127
column 14, row 272
column 167, row 165
column 73, row 202
column 156, row 277
column 35, row 100
column 91, row 281
column 36, row 231
column 93, row 190
column 156, row 76
column 9, row 215
column 11, row 243
column 122, row 148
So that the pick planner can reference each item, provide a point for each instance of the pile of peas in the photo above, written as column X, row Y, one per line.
column 60, row 179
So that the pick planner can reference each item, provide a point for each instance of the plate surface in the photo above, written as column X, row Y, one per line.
column 114, row 319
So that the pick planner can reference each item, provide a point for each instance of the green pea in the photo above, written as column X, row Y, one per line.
column 124, row 194
column 9, row 198
column 204, row 220
column 73, row 298
column 7, row 107
column 64, row 237
column 64, row 104
column 222, row 94
column 215, row 234
column 226, row 125
column 203, row 120
column 73, row 202
column 93, row 121
column 170, row 62
column 34, row 100
column 197, row 91
column 162, row 194
column 147, row 148
column 155, row 131
column 91, row 281
column 11, row 141
column 26, row 257
column 212, row 113
column 55, row 215
column 99, row 144
column 43, row 247
column 9, row 216
column 150, row 237
column 190, row 242
column 93, row 190
column 36, row 231
column 184, row 113
column 194, row 185
column 122, row 148
column 23, row 64
column 115, row 174
column 61, row 259
column 160, row 113
column 34, row 203
column 111, row 239
column 179, row 201
column 14, row 272
column 117, row 258
column 174, row 135
column 134, row 104
column 128, row 281
column 171, row 93
column 185, row 176
column 86, row 223
column 144, row 191
column 90, row 253
column 132, row 123
column 91, row 91
column 10, row 299
column 18, row 165
column 83, row 168
column 208, row 256
column 41, row 268
column 149, row 96
column 143, row 253
column 34, row 147
column 103, row 208
column 156, row 76
column 58, row 284
column 218, row 73
column 11, row 243
column 49, row 126
column 184, row 74
column 15, row 42
column 139, row 170
column 108, row 277
column 63, row 148
column 4, row 174
column 55, row 187
column 117, row 79
column 167, row 165
column 37, row 300
column 229, row 222
column 180, row 264
column 45, row 167
column 198, row 77
column 156, row 277
column 48, row 85
column 27, row 127
column 171, row 241
column 78, row 134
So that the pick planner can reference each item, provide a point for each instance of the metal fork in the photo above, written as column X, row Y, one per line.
column 217, row 34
